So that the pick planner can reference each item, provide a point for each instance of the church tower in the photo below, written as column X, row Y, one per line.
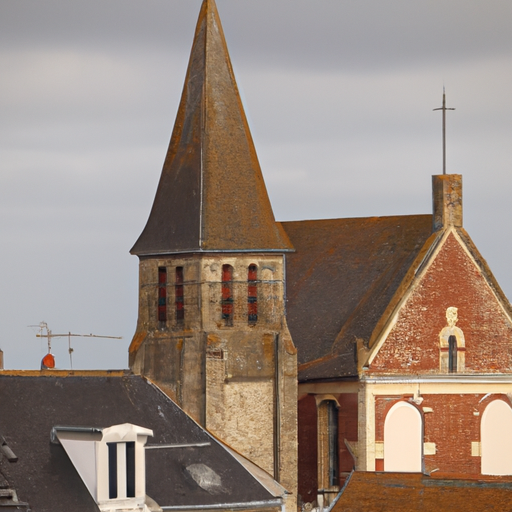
column 211, row 329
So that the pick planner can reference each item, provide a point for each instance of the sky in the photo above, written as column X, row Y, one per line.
column 339, row 96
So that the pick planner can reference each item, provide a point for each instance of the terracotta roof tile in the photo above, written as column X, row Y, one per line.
column 406, row 492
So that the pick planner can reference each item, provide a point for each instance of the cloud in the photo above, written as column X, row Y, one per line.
column 339, row 97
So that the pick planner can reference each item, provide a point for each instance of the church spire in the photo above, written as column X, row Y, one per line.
column 211, row 195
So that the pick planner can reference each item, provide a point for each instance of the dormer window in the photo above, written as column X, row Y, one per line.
column 110, row 461
column 113, row 478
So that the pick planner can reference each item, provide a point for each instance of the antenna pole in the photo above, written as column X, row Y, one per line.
column 68, row 335
column 444, row 109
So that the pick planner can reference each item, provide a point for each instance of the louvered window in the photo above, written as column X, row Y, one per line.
column 179, row 297
column 252, row 294
column 162, row 294
column 227, row 294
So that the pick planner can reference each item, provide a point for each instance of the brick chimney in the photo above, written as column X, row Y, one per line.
column 447, row 201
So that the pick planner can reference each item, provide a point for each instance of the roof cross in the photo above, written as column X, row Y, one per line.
column 444, row 109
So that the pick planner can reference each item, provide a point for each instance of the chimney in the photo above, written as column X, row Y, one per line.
column 447, row 201
column 1, row 359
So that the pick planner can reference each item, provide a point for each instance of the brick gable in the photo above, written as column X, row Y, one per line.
column 452, row 279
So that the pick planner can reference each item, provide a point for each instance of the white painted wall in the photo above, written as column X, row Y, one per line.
column 83, row 456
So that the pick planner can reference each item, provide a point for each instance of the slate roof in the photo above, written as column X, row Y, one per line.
column 211, row 195
column 340, row 281
column 397, row 492
column 45, row 477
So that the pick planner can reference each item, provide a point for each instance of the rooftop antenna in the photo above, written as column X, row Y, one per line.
column 444, row 109
column 48, row 361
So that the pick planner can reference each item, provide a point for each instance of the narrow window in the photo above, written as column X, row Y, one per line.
column 452, row 354
column 327, row 447
column 130, row 469
column 252, row 294
column 162, row 294
column 112, row 470
column 227, row 294
column 178, row 295
column 332, row 427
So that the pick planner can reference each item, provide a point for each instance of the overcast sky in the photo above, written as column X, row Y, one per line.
column 339, row 96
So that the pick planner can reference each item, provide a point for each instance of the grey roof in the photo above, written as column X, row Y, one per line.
column 45, row 477
column 341, row 279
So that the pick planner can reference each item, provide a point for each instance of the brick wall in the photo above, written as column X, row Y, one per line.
column 452, row 280
column 308, row 453
column 452, row 422
column 347, row 429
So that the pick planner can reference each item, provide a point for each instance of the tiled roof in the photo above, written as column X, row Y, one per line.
column 45, row 477
column 341, row 279
column 406, row 492
column 211, row 195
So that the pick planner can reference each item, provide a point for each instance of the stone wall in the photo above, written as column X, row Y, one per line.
column 236, row 376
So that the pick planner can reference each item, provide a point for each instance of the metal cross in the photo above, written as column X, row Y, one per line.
column 444, row 109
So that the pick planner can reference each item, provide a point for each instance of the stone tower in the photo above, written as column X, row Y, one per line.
column 211, row 329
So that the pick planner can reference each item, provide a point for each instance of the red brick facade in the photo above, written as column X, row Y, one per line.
column 452, row 280
column 308, row 436
column 452, row 422
column 308, row 452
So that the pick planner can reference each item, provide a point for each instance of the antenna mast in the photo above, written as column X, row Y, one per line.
column 49, row 335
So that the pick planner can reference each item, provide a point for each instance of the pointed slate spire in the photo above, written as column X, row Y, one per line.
column 211, row 195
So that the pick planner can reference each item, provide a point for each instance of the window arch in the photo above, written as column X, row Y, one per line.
column 252, row 294
column 403, row 439
column 452, row 346
column 227, row 294
column 496, row 439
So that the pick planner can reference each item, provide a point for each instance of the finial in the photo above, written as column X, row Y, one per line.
column 444, row 109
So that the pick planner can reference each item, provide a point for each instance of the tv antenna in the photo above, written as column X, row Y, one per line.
column 48, row 361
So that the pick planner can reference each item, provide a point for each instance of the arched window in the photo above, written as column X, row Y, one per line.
column 227, row 294
column 178, row 296
column 496, row 439
column 162, row 294
column 403, row 439
column 252, row 294
column 452, row 346
column 452, row 354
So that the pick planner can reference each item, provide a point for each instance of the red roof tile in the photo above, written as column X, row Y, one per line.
column 407, row 492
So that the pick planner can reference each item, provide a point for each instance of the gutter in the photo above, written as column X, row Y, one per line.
column 456, row 377
column 80, row 430
column 226, row 506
